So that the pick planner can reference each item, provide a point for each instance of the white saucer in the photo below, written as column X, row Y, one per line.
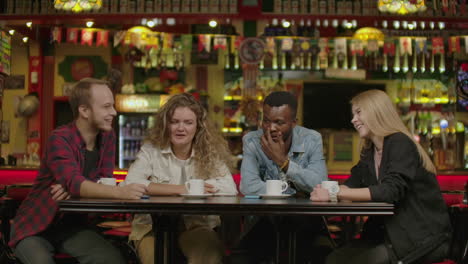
column 275, row 196
column 196, row 196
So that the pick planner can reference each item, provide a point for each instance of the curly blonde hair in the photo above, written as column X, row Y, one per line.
column 382, row 119
column 209, row 146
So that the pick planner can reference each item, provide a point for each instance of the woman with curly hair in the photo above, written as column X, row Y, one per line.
column 182, row 145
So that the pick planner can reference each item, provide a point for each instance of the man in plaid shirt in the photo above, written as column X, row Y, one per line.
column 76, row 156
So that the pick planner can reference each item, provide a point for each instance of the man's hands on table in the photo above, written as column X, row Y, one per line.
column 58, row 192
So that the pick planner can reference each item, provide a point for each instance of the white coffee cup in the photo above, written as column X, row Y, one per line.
column 107, row 181
column 195, row 186
column 331, row 186
column 276, row 187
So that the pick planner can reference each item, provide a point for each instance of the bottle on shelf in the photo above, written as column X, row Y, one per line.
column 143, row 127
column 126, row 151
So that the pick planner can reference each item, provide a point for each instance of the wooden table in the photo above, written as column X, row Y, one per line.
column 162, row 208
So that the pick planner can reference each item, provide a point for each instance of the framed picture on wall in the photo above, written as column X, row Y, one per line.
column 204, row 57
column 14, row 82
column 2, row 84
column 5, row 131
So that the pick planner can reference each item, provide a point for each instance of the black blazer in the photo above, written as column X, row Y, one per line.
column 421, row 222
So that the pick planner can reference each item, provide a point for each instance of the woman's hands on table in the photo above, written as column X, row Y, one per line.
column 319, row 194
column 132, row 191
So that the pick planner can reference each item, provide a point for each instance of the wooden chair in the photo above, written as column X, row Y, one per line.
column 458, row 211
column 14, row 195
column 459, row 245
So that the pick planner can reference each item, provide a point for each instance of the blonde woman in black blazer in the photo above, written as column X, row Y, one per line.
column 395, row 169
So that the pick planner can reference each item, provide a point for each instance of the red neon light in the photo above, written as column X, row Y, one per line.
column 12, row 176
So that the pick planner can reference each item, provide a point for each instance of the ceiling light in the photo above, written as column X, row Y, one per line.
column 334, row 23
column 29, row 24
column 367, row 33
column 25, row 39
column 422, row 24
column 11, row 31
column 151, row 23
column 171, row 21
column 89, row 23
column 441, row 25
column 384, row 24
column 405, row 24
column 212, row 23
column 325, row 23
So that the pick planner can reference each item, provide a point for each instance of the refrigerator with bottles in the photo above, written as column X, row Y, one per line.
column 135, row 115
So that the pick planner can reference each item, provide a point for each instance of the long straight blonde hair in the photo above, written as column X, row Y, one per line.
column 209, row 146
column 382, row 119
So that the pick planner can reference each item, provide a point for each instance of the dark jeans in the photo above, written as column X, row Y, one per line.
column 80, row 242
column 261, row 241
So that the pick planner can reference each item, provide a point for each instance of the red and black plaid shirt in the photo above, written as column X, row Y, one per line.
column 63, row 163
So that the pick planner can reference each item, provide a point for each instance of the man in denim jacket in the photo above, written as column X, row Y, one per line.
column 281, row 150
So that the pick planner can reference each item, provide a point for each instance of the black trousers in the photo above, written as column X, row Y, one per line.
column 365, row 251
column 272, row 233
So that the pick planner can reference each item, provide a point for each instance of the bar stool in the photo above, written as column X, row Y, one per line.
column 117, row 232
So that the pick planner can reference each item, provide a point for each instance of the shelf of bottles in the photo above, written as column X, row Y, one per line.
column 135, row 114
column 132, row 132
column 28, row 7
column 442, row 136
column 430, row 112
column 425, row 92
column 234, row 119
column 446, row 8
column 359, row 58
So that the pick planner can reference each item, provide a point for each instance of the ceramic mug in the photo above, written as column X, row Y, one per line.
column 276, row 187
column 107, row 181
column 195, row 186
column 331, row 186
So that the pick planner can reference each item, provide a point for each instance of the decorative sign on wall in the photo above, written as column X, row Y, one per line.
column 75, row 68
column 5, row 53
column 462, row 87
